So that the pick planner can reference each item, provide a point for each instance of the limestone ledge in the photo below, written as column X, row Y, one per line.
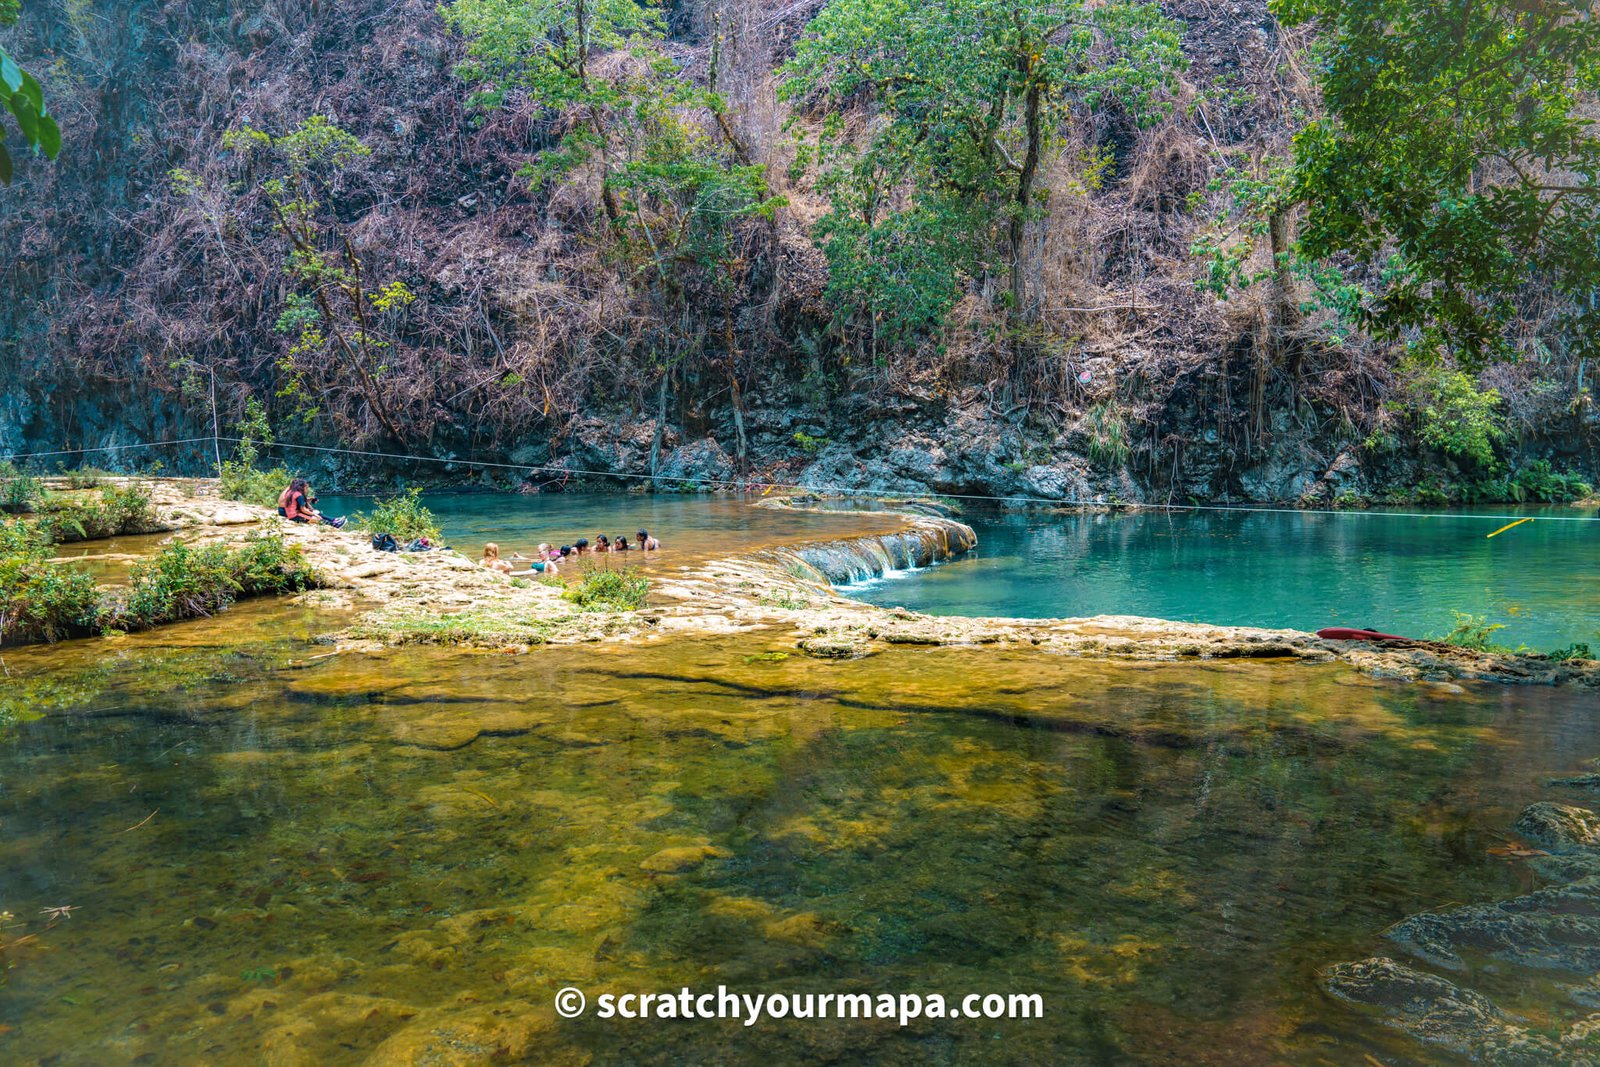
column 446, row 598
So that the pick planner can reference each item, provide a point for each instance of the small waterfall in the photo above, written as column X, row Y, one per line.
column 859, row 559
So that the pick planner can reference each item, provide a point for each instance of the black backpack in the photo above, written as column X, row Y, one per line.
column 385, row 543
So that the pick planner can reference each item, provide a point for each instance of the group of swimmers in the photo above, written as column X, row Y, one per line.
column 549, row 559
column 297, row 504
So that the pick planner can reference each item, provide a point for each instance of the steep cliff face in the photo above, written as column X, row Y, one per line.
column 146, row 267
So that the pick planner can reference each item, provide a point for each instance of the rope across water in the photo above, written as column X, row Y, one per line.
column 722, row 483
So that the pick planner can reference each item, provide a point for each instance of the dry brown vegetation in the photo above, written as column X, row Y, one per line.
column 147, row 255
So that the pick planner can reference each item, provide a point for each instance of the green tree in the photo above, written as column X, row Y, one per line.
column 548, row 48
column 684, row 203
column 975, row 95
column 676, row 191
column 1457, row 149
column 334, row 307
column 21, row 95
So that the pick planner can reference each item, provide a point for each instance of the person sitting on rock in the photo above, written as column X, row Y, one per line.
column 647, row 543
column 492, row 560
column 292, row 505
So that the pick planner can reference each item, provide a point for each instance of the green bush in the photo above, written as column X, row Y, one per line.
column 808, row 444
column 610, row 590
column 40, row 600
column 1534, row 481
column 118, row 511
column 86, row 478
column 243, row 482
column 1108, row 435
column 1474, row 632
column 1431, row 494
column 1453, row 414
column 267, row 564
column 179, row 582
column 19, row 491
column 403, row 516
column 45, row 601
column 184, row 582
column 1537, row 481
column 240, row 479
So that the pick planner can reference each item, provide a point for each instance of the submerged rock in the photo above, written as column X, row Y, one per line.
column 681, row 859
column 1553, row 928
column 1558, row 827
column 1586, row 994
column 834, row 645
column 1438, row 1012
column 1557, row 928
column 1589, row 781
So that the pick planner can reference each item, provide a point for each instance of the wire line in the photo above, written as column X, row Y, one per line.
column 533, row 468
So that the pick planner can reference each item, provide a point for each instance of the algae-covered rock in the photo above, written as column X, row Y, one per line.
column 834, row 646
column 683, row 858
column 1590, row 781
column 510, row 1032
column 1557, row 928
column 1437, row 1011
column 1586, row 993
column 1558, row 827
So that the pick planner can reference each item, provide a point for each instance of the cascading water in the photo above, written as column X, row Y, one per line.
column 929, row 540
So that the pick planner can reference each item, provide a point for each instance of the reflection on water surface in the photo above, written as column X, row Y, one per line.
column 406, row 855
column 1395, row 573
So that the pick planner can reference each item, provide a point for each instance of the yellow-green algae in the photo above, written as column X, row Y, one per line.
column 399, row 856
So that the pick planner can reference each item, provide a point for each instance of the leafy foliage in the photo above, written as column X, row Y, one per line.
column 19, row 490
column 118, row 510
column 1453, row 414
column 86, row 478
column 43, row 601
column 21, row 96
column 1535, row 481
column 240, row 478
column 605, row 589
column 1474, row 632
column 973, row 94
column 1108, row 435
column 547, row 48
column 1456, row 135
column 183, row 582
column 40, row 601
column 334, row 308
column 403, row 516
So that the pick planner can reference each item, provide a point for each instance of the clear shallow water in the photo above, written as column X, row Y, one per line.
column 1305, row 571
column 688, row 527
column 403, row 856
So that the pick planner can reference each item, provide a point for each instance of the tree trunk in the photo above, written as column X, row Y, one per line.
column 1025, row 306
column 1284, row 311
column 608, row 197
column 661, row 424
column 732, row 356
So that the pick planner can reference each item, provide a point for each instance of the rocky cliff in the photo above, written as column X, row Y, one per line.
column 142, row 273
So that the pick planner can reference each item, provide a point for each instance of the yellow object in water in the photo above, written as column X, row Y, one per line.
column 1506, row 527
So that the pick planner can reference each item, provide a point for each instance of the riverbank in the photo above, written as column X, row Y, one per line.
column 446, row 598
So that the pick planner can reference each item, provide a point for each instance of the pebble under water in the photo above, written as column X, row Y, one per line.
column 401, row 857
